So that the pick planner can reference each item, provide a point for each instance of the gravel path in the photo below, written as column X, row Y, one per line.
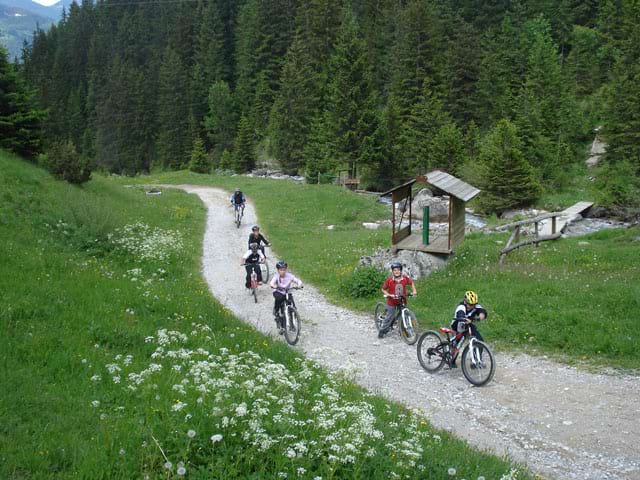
column 562, row 422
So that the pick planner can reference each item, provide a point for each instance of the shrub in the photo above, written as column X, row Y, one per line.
column 618, row 185
column 364, row 282
column 65, row 163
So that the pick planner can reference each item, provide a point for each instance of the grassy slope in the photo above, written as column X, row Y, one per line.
column 73, row 308
column 575, row 298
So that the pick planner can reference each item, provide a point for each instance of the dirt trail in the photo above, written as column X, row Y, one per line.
column 562, row 422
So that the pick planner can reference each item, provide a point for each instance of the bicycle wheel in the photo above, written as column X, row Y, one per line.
column 254, row 292
column 291, row 325
column 431, row 351
column 478, row 364
column 380, row 315
column 408, row 327
column 238, row 218
column 264, row 267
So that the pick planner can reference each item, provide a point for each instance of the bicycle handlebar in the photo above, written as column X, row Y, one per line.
column 401, row 296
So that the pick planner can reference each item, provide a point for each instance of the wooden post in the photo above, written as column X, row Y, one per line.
column 553, row 225
column 425, row 226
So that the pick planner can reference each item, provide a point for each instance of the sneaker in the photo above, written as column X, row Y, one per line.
column 280, row 331
column 382, row 332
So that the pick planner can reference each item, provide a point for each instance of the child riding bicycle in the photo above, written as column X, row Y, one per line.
column 466, row 312
column 280, row 283
column 256, row 237
column 395, row 289
column 251, row 260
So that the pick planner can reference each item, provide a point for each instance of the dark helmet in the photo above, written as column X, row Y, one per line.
column 281, row 264
column 255, row 228
column 253, row 247
column 396, row 265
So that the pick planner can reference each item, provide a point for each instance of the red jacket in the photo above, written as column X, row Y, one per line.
column 396, row 287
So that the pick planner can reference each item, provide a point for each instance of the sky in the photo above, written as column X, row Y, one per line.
column 46, row 3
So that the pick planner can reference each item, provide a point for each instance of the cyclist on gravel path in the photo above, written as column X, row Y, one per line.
column 256, row 237
column 465, row 313
column 237, row 199
column 280, row 284
column 393, row 287
column 250, row 260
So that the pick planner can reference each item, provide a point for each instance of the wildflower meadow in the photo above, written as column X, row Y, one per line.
column 118, row 363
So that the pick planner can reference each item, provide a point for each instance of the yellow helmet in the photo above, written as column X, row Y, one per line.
column 471, row 297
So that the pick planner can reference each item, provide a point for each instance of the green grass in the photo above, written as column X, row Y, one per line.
column 570, row 299
column 116, row 359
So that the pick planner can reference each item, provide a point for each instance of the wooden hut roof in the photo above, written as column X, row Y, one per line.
column 410, row 182
column 451, row 185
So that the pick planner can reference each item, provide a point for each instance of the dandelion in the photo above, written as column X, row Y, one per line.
column 301, row 471
column 480, row 477
column 191, row 433
column 216, row 438
column 95, row 403
column 451, row 471
column 168, row 465
column 181, row 471
column 122, row 451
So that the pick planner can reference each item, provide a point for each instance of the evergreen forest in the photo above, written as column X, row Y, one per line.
column 507, row 95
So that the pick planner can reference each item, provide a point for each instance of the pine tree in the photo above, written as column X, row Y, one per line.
column 383, row 170
column 419, row 129
column 20, row 118
column 352, row 101
column 226, row 161
column 507, row 180
column 119, row 121
column 293, row 108
column 546, row 115
column 199, row 162
column 318, row 160
column 622, row 114
column 221, row 119
column 416, row 56
column 245, row 148
column 447, row 149
column 462, row 73
column 174, row 136
column 209, row 59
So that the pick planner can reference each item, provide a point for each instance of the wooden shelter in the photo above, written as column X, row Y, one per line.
column 402, row 237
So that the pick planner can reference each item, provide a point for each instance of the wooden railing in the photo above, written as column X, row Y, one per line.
column 514, row 240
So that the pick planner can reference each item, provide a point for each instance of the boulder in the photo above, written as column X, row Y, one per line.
column 416, row 264
column 438, row 206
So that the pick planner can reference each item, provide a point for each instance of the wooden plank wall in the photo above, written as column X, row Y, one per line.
column 457, row 221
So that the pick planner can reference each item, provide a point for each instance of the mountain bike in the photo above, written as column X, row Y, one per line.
column 239, row 213
column 253, row 281
column 477, row 362
column 406, row 319
column 287, row 318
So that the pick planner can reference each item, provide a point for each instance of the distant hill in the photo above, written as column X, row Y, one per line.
column 19, row 19
column 17, row 25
